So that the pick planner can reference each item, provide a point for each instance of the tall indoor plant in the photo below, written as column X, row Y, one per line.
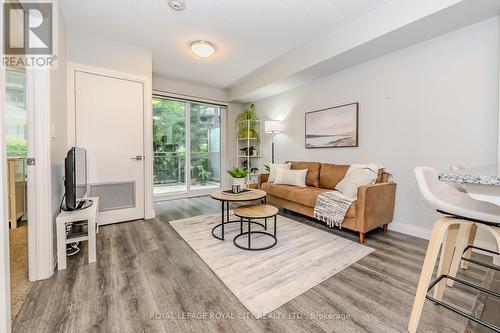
column 246, row 123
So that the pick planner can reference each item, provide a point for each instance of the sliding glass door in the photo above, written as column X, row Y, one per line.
column 187, row 147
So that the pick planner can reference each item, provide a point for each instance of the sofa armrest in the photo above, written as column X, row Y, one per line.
column 375, row 206
column 263, row 177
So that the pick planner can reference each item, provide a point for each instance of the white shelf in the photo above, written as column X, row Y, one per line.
column 251, row 161
column 77, row 239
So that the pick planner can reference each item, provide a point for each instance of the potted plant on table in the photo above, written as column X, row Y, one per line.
column 239, row 175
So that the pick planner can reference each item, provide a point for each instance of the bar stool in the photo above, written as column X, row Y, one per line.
column 465, row 240
column 459, row 209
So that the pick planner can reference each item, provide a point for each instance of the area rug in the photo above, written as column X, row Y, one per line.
column 264, row 280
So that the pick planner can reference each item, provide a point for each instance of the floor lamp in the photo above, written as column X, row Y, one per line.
column 274, row 127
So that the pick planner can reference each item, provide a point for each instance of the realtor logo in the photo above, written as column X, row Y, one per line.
column 28, row 38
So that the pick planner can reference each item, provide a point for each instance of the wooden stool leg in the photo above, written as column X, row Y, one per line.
column 447, row 251
column 495, row 232
column 437, row 236
column 461, row 243
column 472, row 236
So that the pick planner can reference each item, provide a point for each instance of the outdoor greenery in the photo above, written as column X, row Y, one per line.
column 237, row 172
column 169, row 140
column 17, row 147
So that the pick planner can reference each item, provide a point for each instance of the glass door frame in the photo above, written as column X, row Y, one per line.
column 188, row 192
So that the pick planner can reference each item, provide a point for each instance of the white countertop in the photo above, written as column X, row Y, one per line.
column 483, row 175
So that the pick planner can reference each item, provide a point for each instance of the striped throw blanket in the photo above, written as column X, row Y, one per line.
column 331, row 208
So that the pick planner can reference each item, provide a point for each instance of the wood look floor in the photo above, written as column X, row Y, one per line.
column 145, row 269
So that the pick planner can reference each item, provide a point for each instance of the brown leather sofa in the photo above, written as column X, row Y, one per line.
column 373, row 208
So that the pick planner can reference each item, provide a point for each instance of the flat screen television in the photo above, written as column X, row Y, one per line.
column 75, row 180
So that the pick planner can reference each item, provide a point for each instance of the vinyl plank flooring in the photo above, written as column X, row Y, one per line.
column 148, row 279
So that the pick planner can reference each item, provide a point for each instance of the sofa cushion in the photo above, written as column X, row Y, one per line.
column 331, row 175
column 291, row 177
column 355, row 178
column 273, row 167
column 313, row 169
column 301, row 195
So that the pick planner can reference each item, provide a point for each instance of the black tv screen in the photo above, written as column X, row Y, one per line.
column 75, row 180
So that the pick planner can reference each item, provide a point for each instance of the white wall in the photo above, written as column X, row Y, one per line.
column 94, row 51
column 188, row 89
column 433, row 104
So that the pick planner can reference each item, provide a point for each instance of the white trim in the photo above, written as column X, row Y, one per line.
column 498, row 132
column 223, row 146
column 41, row 227
column 184, row 194
column 5, row 324
column 409, row 229
column 72, row 67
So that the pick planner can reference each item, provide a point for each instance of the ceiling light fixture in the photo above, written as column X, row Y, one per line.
column 202, row 48
column 177, row 5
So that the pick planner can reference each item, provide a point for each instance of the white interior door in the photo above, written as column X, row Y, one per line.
column 109, row 115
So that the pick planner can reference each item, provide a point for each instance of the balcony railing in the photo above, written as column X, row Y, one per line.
column 169, row 167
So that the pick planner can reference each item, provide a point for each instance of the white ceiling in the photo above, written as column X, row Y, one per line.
column 247, row 33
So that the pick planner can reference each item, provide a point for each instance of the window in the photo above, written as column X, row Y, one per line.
column 187, row 146
column 16, row 113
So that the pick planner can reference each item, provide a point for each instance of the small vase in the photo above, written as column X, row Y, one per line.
column 239, row 181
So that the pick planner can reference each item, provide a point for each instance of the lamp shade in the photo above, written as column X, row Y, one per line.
column 273, row 126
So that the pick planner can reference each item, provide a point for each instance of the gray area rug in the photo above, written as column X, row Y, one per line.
column 264, row 280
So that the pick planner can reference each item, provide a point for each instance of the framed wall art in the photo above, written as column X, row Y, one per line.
column 333, row 127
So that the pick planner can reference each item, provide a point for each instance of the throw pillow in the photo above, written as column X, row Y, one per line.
column 354, row 178
column 291, row 177
column 274, row 167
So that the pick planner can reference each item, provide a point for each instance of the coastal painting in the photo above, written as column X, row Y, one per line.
column 332, row 127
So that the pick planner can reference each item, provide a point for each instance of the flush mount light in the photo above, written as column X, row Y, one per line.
column 177, row 5
column 202, row 48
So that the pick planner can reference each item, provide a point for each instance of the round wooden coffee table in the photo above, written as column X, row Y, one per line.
column 255, row 212
column 251, row 195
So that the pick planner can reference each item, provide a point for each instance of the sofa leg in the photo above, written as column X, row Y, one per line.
column 385, row 227
column 361, row 238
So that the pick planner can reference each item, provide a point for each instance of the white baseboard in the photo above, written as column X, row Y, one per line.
column 425, row 233
column 409, row 229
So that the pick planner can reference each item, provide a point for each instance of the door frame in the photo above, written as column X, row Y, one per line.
column 72, row 68
column 223, row 161
column 5, row 323
column 41, row 237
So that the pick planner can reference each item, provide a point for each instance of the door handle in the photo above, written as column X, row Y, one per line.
column 137, row 158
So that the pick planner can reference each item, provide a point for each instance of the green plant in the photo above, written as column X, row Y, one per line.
column 267, row 168
column 17, row 147
column 245, row 123
column 237, row 172
column 201, row 172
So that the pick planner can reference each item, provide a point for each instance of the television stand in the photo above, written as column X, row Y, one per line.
column 89, row 214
